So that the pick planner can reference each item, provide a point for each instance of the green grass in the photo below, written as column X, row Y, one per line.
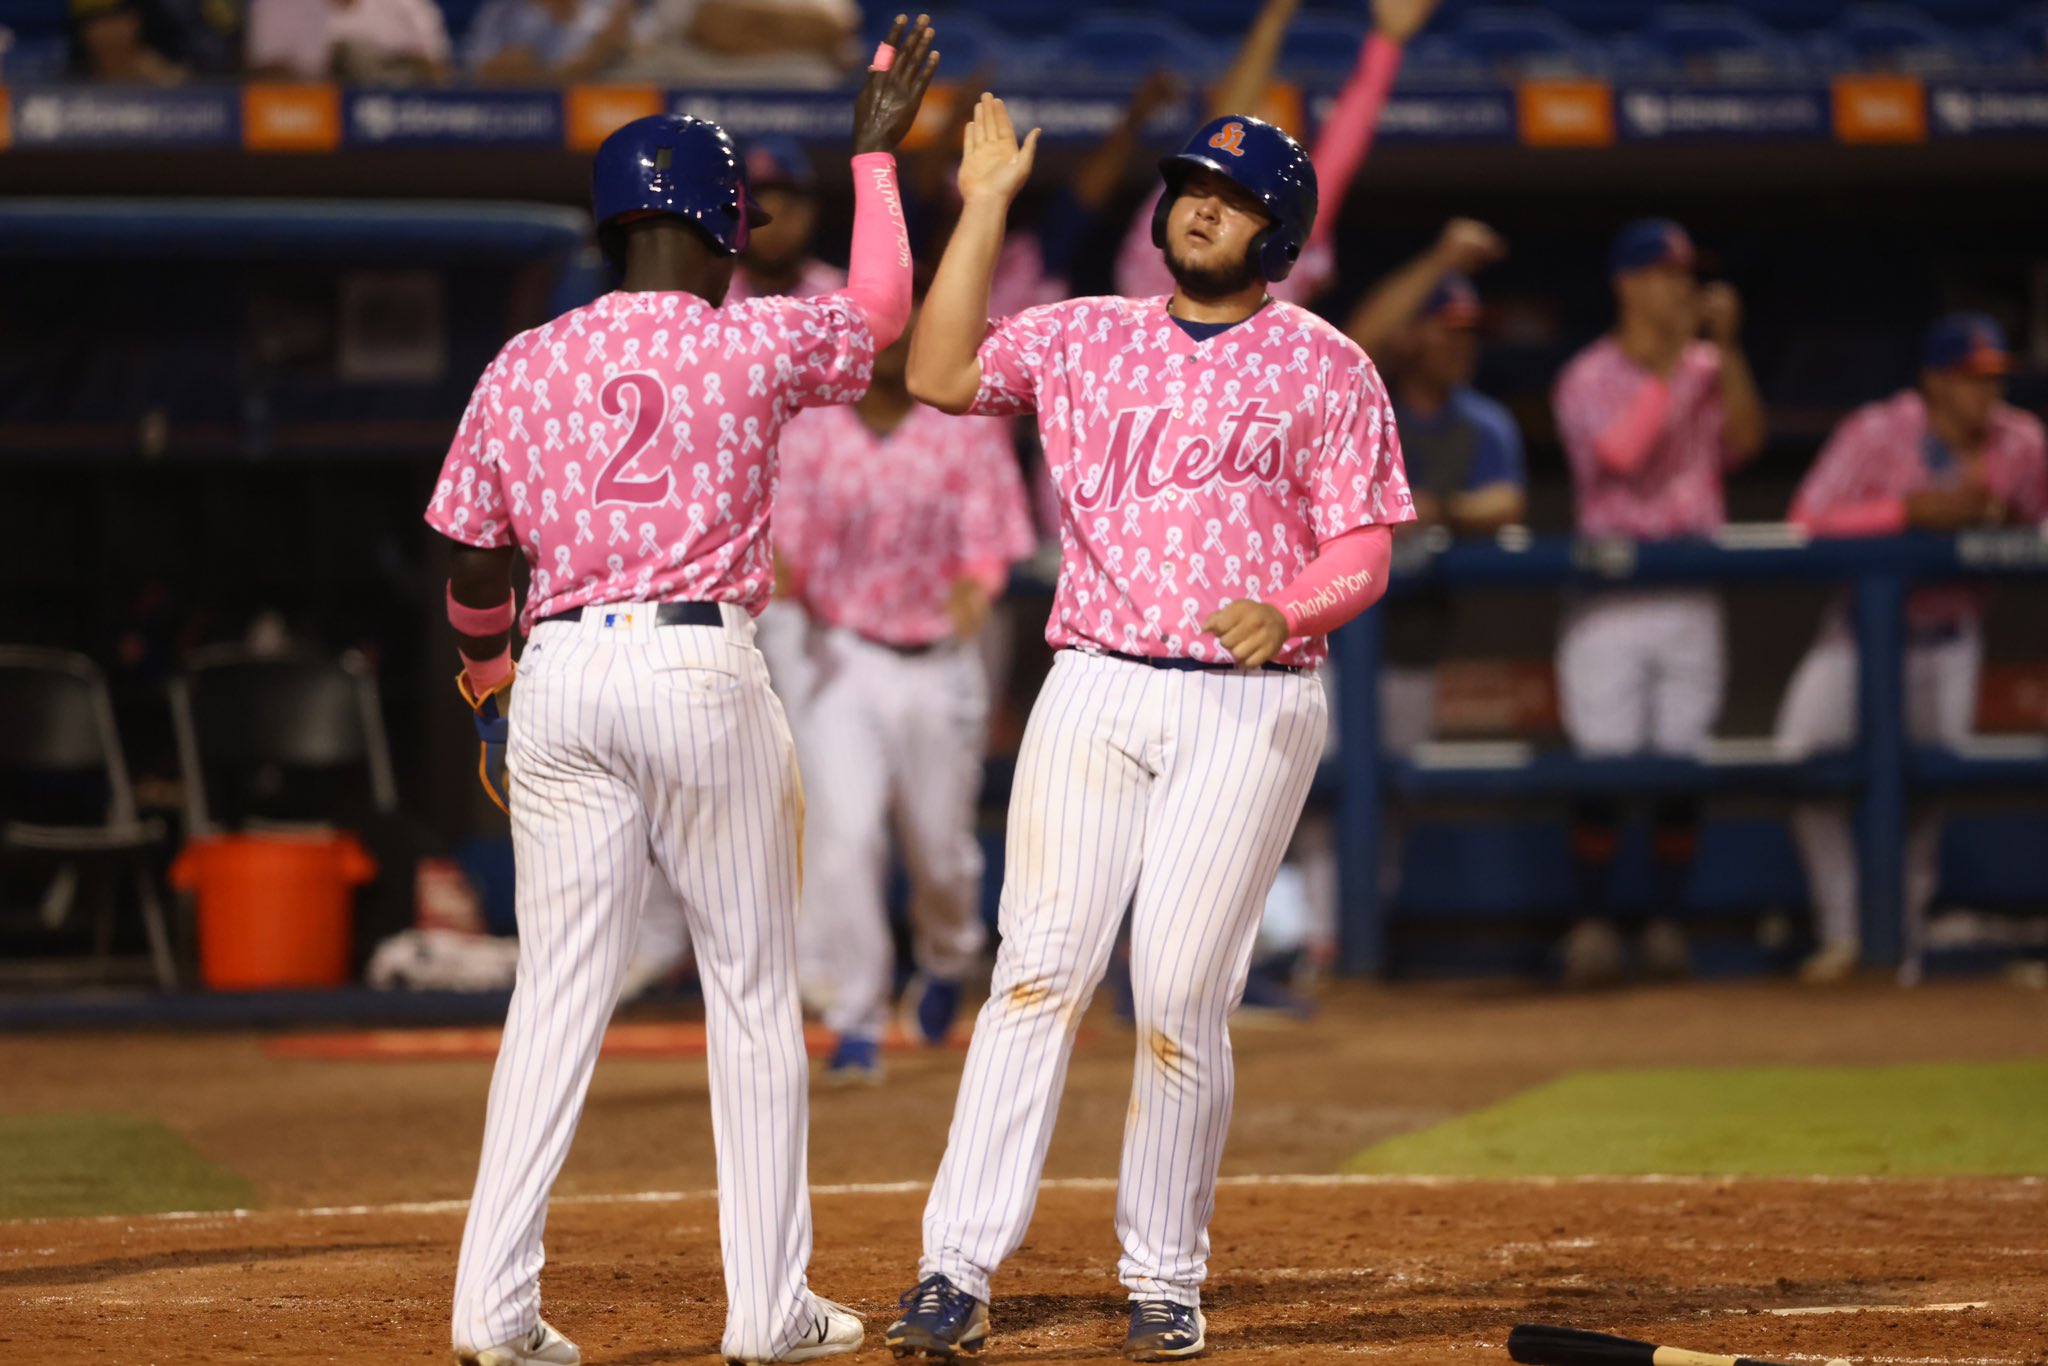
column 1941, row 1120
column 64, row 1166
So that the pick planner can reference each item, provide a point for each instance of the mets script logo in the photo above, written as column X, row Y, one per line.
column 1230, row 138
column 1252, row 450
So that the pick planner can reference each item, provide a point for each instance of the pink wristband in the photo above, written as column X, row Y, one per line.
column 486, row 674
column 885, row 57
column 480, row 621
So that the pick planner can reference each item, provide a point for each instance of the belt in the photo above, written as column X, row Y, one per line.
column 665, row 614
column 1182, row 665
column 908, row 651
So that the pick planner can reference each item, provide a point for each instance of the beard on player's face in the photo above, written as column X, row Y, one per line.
column 1210, row 279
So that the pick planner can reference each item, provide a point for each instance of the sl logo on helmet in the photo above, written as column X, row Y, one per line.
column 1229, row 138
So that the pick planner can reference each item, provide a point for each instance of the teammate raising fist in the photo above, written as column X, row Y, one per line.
column 628, row 450
column 1227, row 473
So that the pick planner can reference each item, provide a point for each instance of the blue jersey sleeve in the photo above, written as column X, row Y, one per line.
column 1498, row 459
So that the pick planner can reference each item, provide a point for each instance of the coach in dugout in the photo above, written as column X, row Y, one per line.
column 1944, row 456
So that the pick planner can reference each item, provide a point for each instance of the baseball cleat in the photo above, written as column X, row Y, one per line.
column 933, row 1004
column 855, row 1062
column 1832, row 963
column 835, row 1330
column 940, row 1321
column 542, row 1347
column 1165, row 1330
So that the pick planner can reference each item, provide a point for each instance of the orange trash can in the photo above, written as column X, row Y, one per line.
column 274, row 910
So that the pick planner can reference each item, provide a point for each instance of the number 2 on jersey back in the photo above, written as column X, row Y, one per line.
column 612, row 485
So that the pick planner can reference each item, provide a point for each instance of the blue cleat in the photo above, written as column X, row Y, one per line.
column 855, row 1061
column 1162, row 1330
column 940, row 1321
column 934, row 1004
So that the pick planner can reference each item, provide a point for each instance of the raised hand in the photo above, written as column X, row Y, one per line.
column 887, row 105
column 1467, row 245
column 1721, row 314
column 1253, row 632
column 992, row 164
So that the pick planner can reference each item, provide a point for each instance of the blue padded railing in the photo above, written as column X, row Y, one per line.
column 1881, row 771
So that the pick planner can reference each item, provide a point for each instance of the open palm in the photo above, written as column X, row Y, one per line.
column 992, row 163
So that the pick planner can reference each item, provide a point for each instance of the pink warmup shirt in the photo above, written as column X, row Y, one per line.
column 1677, row 491
column 1878, row 456
column 877, row 528
column 628, row 447
column 1192, row 474
column 817, row 277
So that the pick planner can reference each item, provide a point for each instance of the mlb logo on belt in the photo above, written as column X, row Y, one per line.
column 1230, row 138
column 618, row 618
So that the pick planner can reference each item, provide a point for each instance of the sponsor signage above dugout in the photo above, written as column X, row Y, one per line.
column 315, row 117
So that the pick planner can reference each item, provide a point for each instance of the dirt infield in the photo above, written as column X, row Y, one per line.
column 1306, row 1268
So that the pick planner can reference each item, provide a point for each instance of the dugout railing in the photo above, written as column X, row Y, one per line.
column 1881, row 771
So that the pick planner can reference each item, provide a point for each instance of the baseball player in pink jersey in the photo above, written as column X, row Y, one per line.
column 627, row 449
column 776, row 260
column 1228, row 474
column 1946, row 455
column 1651, row 416
column 899, row 524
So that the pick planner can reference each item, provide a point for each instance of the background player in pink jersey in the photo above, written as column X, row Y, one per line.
column 1228, row 474
column 1652, row 416
column 898, row 524
column 1945, row 455
column 627, row 449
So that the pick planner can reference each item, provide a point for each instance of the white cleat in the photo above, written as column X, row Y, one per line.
column 835, row 1330
column 542, row 1347
column 1831, row 963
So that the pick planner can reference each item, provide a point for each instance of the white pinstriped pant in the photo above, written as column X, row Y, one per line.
column 888, row 741
column 1180, row 787
column 634, row 748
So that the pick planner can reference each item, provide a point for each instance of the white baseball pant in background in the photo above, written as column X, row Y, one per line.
column 1180, row 787
column 1819, row 713
column 631, row 740
column 889, row 743
column 1640, row 671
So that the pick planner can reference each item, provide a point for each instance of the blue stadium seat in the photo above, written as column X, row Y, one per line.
column 1036, row 19
column 1893, row 38
column 1131, row 42
column 1721, row 42
column 1323, row 46
column 1514, row 42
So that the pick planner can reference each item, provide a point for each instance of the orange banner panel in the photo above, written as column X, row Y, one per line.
column 593, row 112
column 1876, row 109
column 1566, row 113
column 291, row 118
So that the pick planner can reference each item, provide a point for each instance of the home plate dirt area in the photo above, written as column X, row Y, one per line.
column 1806, row 1229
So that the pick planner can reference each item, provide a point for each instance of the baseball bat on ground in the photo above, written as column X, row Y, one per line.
column 1541, row 1344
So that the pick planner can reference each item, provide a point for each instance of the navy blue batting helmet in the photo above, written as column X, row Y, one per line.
column 1265, row 161
column 678, row 165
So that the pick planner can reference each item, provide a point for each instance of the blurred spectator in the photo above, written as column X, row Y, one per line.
column 747, row 42
column 122, row 41
column 1651, row 417
column 1945, row 456
column 369, row 41
column 553, row 40
column 778, row 259
column 1463, row 450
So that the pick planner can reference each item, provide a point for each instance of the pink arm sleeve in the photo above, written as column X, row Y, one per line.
column 1872, row 517
column 1347, row 576
column 878, row 274
column 1345, row 139
column 1625, row 443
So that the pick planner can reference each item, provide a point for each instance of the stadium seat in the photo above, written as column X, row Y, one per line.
column 1721, row 42
column 1128, row 43
column 1514, row 42
column 1893, row 38
column 1323, row 46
